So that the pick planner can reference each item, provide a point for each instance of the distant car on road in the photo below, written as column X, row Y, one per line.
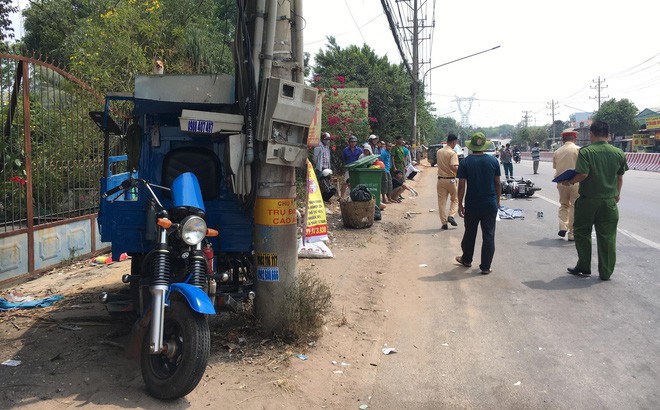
column 433, row 153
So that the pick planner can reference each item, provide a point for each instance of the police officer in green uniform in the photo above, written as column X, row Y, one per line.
column 600, row 168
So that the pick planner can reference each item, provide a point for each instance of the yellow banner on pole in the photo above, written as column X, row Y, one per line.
column 317, row 225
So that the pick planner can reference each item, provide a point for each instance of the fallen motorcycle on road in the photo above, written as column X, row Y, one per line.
column 518, row 188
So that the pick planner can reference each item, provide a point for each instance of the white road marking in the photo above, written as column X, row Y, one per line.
column 629, row 234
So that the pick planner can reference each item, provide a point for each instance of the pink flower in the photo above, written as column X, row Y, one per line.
column 341, row 79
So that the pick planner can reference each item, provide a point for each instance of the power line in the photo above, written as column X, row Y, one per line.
column 355, row 22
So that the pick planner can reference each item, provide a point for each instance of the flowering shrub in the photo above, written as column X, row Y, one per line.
column 345, row 113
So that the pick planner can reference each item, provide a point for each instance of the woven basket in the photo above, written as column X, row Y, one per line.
column 357, row 214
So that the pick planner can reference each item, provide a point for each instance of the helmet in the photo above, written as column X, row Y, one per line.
column 373, row 137
column 366, row 146
column 326, row 172
column 352, row 138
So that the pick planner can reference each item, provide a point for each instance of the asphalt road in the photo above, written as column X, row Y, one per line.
column 529, row 335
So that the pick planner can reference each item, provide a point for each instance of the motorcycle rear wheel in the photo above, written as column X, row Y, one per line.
column 172, row 375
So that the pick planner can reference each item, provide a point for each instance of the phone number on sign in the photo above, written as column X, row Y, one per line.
column 316, row 230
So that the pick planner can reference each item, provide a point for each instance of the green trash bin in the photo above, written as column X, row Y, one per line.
column 371, row 177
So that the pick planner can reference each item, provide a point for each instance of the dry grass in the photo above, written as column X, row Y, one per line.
column 304, row 307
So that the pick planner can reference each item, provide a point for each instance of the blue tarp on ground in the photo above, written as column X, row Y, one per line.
column 49, row 301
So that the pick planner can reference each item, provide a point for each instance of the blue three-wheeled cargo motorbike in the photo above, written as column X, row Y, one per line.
column 174, row 198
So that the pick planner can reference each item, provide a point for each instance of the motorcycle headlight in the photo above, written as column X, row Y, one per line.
column 193, row 230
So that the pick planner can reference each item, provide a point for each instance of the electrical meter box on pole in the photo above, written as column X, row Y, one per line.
column 288, row 110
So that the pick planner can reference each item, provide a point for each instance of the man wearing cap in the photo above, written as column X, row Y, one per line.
column 564, row 159
column 373, row 143
column 600, row 168
column 481, row 173
column 352, row 152
column 322, row 154
column 536, row 157
column 447, row 160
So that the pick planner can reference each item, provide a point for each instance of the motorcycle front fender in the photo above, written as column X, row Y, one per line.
column 196, row 298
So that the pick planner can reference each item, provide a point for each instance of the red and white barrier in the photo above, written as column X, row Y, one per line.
column 640, row 161
column 643, row 161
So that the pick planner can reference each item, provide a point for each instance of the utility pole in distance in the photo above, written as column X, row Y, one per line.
column 553, row 106
column 525, row 118
column 598, row 87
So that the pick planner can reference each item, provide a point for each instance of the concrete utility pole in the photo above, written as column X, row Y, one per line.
column 412, row 22
column 414, row 138
column 553, row 106
column 598, row 87
column 275, row 245
column 525, row 118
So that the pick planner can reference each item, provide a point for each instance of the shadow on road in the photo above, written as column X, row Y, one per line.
column 552, row 243
column 458, row 273
column 563, row 283
column 426, row 231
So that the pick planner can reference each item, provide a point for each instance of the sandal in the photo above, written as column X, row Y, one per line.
column 459, row 259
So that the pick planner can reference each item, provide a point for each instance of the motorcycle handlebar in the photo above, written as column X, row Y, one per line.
column 126, row 184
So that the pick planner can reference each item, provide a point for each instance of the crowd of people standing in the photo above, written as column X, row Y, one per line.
column 589, row 182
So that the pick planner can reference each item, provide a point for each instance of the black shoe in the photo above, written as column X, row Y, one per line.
column 579, row 272
column 561, row 233
column 452, row 221
column 445, row 227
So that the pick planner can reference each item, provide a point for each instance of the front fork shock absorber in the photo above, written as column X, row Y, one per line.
column 197, row 268
column 160, row 282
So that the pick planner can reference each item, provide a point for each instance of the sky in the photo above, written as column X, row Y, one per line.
column 549, row 51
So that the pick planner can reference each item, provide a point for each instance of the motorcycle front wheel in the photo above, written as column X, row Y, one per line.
column 177, row 372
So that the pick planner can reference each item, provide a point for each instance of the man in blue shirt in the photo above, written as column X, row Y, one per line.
column 481, row 173
column 349, row 155
column 386, row 182
column 352, row 152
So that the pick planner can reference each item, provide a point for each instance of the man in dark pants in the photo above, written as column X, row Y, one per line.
column 600, row 168
column 481, row 173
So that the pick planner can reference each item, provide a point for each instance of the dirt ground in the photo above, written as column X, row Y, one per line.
column 72, row 354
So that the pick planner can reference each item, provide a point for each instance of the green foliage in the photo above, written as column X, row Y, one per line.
column 107, row 43
column 48, row 23
column 525, row 137
column 620, row 115
column 444, row 126
column 6, row 31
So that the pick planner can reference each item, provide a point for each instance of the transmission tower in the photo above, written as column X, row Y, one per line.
column 598, row 86
column 464, row 110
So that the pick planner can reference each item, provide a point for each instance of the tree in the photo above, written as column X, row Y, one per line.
column 619, row 115
column 444, row 126
column 108, row 42
column 6, row 31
